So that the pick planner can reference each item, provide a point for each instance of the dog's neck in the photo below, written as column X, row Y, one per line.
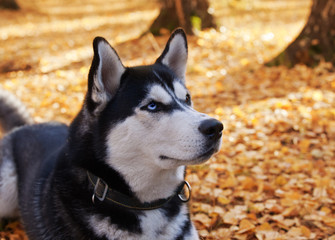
column 146, row 181
column 150, row 183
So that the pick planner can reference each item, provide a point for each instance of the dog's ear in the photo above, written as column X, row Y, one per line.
column 174, row 55
column 104, row 76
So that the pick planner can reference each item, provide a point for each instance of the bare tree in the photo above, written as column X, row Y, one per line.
column 179, row 13
column 316, row 41
column 9, row 4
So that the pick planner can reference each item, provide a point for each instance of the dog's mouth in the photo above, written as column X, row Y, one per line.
column 195, row 160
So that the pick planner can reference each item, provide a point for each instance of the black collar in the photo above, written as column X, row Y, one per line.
column 104, row 193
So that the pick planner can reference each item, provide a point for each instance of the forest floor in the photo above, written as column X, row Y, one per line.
column 274, row 177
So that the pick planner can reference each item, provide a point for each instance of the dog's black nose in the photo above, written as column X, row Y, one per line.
column 211, row 128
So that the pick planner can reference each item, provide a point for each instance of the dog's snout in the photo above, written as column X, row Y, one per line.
column 211, row 128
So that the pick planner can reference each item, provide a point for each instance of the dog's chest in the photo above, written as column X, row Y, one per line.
column 154, row 225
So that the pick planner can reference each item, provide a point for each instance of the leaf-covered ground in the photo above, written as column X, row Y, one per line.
column 274, row 177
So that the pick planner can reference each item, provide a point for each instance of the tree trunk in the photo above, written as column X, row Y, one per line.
column 9, row 4
column 316, row 42
column 181, row 13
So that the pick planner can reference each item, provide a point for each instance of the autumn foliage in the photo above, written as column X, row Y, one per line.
column 274, row 177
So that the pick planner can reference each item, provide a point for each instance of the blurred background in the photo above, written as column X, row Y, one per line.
column 263, row 67
column 41, row 39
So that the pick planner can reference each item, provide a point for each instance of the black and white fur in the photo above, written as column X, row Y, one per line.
column 137, row 131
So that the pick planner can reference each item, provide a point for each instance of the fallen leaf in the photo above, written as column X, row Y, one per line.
column 245, row 226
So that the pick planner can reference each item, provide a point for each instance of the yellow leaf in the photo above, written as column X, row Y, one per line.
column 326, row 210
column 329, row 221
column 294, row 232
column 280, row 181
column 330, row 129
column 249, row 183
column 254, row 121
column 202, row 219
column 285, row 150
column 276, row 209
column 264, row 227
column 291, row 212
column 230, row 218
column 219, row 86
column 219, row 111
column 245, row 226
column 201, row 42
column 212, row 177
column 229, row 182
column 223, row 200
column 244, row 61
column 317, row 96
column 238, row 112
column 283, row 105
column 305, row 231
column 304, row 145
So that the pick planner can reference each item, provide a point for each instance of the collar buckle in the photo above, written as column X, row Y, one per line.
column 101, row 198
column 185, row 197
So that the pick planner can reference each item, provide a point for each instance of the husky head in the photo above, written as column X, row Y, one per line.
column 144, row 114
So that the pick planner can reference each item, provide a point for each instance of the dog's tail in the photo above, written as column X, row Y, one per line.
column 12, row 112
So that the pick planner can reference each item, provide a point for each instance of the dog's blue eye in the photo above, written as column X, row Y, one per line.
column 152, row 106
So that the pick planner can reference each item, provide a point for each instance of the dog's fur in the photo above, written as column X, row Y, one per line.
column 136, row 130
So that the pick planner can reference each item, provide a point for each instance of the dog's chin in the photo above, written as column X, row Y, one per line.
column 198, row 159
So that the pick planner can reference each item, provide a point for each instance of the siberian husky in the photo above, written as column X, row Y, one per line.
column 117, row 172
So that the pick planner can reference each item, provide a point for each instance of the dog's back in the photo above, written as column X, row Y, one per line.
column 12, row 115
column 24, row 147
column 12, row 112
